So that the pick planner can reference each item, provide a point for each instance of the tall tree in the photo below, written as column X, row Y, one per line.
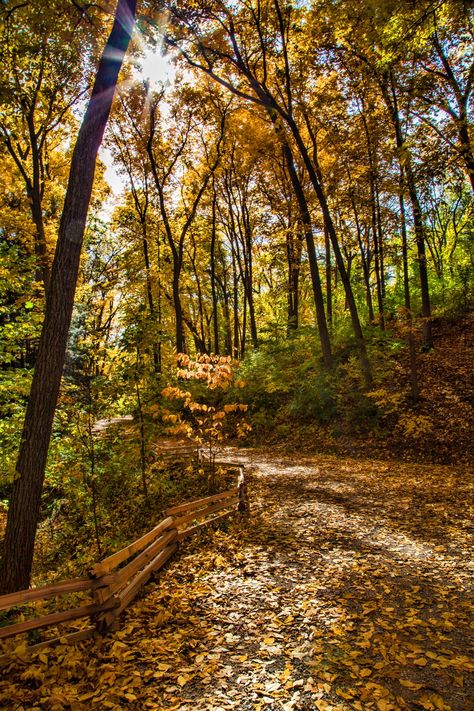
column 134, row 163
column 164, row 155
column 247, row 52
column 382, row 61
column 23, row 513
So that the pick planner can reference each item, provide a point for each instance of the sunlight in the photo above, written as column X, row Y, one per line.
column 155, row 67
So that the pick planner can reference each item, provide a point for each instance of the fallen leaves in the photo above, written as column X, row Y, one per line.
column 343, row 592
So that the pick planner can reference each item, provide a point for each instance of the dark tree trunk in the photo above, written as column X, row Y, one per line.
column 376, row 230
column 156, row 349
column 293, row 257
column 235, row 291
column 180, row 340
column 406, row 288
column 215, row 314
column 466, row 149
column 243, row 334
column 421, row 250
column 25, row 503
column 327, row 250
column 34, row 191
column 201, row 315
column 226, row 306
column 380, row 243
column 248, row 275
column 390, row 96
column 141, row 420
column 251, row 306
column 41, row 252
column 378, row 271
column 312, row 258
column 365, row 259
column 356, row 325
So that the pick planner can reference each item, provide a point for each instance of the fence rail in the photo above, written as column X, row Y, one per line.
column 116, row 580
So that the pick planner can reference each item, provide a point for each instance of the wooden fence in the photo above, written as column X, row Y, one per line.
column 114, row 582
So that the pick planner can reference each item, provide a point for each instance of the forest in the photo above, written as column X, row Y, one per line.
column 242, row 230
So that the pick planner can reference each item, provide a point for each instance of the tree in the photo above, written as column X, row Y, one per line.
column 25, row 502
column 444, row 80
column 164, row 158
column 134, row 163
column 247, row 52
column 42, row 79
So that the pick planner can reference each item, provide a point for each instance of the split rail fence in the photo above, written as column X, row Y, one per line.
column 114, row 582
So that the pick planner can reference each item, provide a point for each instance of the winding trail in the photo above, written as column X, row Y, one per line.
column 346, row 588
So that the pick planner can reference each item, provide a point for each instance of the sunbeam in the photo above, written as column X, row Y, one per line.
column 155, row 67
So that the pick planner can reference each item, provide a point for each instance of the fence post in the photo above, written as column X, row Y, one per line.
column 242, row 484
column 104, row 621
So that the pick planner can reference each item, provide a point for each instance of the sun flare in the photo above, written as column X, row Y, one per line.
column 155, row 67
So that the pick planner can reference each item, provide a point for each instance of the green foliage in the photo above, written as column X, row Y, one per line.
column 20, row 323
column 14, row 389
column 286, row 380
column 287, row 387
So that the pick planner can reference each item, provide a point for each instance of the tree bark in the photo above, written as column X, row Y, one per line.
column 236, row 352
column 313, row 262
column 215, row 314
column 390, row 96
column 365, row 259
column 376, row 231
column 327, row 250
column 156, row 345
column 406, row 289
column 356, row 325
column 25, row 503
column 223, row 283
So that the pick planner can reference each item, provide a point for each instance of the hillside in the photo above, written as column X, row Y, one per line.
column 439, row 427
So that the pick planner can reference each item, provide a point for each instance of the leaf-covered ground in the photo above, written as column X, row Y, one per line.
column 347, row 588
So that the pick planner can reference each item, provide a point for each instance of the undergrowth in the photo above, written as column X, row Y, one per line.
column 293, row 401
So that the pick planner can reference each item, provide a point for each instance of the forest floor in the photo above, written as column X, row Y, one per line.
column 347, row 587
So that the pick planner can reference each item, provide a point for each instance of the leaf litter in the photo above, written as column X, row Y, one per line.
column 349, row 586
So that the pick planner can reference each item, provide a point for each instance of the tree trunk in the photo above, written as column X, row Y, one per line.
column 407, row 169
column 378, row 270
column 178, row 309
column 313, row 262
column 406, row 287
column 141, row 420
column 422, row 265
column 365, row 259
column 466, row 149
column 225, row 305
column 247, row 276
column 376, row 229
column 215, row 315
column 357, row 328
column 41, row 251
column 25, row 503
column 156, row 351
column 235, row 290
column 380, row 243
column 293, row 257
column 327, row 250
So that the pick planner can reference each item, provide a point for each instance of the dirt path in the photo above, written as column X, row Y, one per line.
column 346, row 589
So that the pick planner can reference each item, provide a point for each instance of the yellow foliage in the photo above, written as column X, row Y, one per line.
column 414, row 426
